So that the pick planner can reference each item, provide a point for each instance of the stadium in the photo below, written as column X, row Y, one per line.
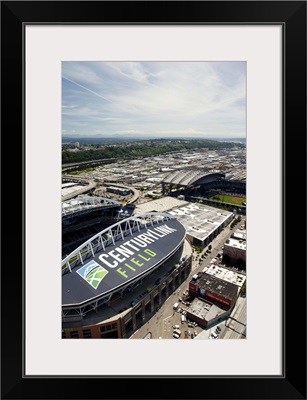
column 199, row 181
column 85, row 216
column 192, row 184
column 117, row 279
column 118, row 268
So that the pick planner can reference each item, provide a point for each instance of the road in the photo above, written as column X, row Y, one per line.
column 236, row 323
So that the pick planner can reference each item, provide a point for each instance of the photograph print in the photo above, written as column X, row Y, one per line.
column 154, row 225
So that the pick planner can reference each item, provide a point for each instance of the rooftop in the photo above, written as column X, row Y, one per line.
column 239, row 234
column 191, row 176
column 200, row 220
column 160, row 205
column 216, row 285
column 239, row 244
column 84, row 202
column 225, row 274
column 200, row 308
column 66, row 190
column 204, row 310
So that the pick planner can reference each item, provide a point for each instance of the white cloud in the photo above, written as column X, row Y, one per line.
column 156, row 97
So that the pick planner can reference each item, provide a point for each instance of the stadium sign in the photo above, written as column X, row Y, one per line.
column 122, row 262
column 134, row 247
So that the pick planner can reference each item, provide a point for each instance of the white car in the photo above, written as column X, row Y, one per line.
column 176, row 327
column 176, row 335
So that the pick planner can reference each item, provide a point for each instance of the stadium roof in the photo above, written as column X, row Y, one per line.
column 81, row 203
column 191, row 177
column 119, row 256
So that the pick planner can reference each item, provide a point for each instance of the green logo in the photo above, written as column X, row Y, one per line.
column 93, row 273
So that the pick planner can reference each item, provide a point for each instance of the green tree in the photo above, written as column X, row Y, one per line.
column 243, row 289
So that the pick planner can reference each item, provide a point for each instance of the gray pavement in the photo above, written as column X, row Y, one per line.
column 236, row 323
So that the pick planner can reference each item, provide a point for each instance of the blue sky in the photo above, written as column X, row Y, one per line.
column 154, row 99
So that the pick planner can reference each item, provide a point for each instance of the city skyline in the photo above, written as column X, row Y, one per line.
column 154, row 99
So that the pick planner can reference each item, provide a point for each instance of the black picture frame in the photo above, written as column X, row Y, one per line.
column 292, row 16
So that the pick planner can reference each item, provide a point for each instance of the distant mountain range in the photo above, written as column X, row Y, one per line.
column 121, row 139
column 240, row 140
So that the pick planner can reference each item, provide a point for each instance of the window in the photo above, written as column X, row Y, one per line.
column 87, row 333
column 108, row 327
column 74, row 334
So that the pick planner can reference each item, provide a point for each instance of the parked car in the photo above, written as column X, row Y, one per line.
column 176, row 327
column 175, row 335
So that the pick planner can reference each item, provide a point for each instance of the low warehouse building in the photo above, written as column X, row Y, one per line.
column 208, row 287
